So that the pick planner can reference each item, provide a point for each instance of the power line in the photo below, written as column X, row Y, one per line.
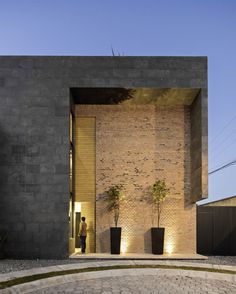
column 220, row 132
column 223, row 167
column 223, row 140
column 222, row 150
column 219, row 165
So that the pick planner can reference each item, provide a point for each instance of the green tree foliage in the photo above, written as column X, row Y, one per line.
column 159, row 191
column 114, row 197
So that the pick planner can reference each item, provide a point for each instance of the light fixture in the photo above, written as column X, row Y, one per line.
column 169, row 248
column 77, row 207
column 123, row 247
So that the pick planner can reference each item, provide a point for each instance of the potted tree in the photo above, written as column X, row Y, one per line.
column 159, row 191
column 114, row 197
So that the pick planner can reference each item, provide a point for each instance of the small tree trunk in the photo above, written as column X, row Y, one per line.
column 158, row 216
column 116, row 217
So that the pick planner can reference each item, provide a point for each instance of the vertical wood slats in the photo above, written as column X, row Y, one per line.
column 85, row 173
column 85, row 153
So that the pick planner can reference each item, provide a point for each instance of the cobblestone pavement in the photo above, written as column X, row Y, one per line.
column 179, row 279
column 135, row 280
column 12, row 265
column 146, row 284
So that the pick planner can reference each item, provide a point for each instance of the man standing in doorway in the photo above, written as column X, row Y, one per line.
column 83, row 234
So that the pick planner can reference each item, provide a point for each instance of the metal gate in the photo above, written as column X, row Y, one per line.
column 216, row 230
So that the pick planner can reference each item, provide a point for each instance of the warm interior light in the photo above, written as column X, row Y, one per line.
column 70, row 207
column 169, row 248
column 123, row 247
column 77, row 207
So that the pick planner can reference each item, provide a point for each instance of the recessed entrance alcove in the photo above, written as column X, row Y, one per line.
column 132, row 137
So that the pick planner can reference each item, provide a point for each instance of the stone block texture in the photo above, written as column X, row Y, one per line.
column 34, row 140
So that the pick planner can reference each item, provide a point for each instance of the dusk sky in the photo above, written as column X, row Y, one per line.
column 141, row 28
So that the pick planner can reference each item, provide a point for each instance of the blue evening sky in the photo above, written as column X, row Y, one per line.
column 141, row 27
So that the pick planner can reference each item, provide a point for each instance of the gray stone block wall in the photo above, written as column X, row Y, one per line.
column 199, row 147
column 34, row 135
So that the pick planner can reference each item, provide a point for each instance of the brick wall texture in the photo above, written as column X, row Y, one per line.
column 135, row 145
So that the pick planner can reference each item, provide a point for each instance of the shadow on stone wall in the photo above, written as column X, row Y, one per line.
column 147, row 242
column 101, row 95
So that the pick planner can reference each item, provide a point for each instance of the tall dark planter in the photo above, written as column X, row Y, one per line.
column 158, row 235
column 115, row 234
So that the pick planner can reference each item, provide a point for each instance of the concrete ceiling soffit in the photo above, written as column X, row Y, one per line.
column 161, row 97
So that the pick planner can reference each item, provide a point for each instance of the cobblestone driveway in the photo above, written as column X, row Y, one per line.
column 144, row 284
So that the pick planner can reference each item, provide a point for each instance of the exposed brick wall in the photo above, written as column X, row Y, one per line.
column 135, row 145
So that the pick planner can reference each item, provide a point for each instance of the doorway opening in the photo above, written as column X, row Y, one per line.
column 82, row 179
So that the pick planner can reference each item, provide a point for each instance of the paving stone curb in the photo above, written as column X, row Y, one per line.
column 34, row 271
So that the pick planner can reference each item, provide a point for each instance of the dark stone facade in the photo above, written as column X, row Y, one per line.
column 34, row 136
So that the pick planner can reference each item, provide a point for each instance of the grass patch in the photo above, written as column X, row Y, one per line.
column 27, row 279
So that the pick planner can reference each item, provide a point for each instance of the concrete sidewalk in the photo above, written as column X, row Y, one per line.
column 137, row 256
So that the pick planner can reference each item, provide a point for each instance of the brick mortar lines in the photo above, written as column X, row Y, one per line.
column 135, row 145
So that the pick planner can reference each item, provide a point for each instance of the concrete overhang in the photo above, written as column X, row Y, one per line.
column 135, row 96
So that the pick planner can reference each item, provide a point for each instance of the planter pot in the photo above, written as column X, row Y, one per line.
column 115, row 235
column 157, row 240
